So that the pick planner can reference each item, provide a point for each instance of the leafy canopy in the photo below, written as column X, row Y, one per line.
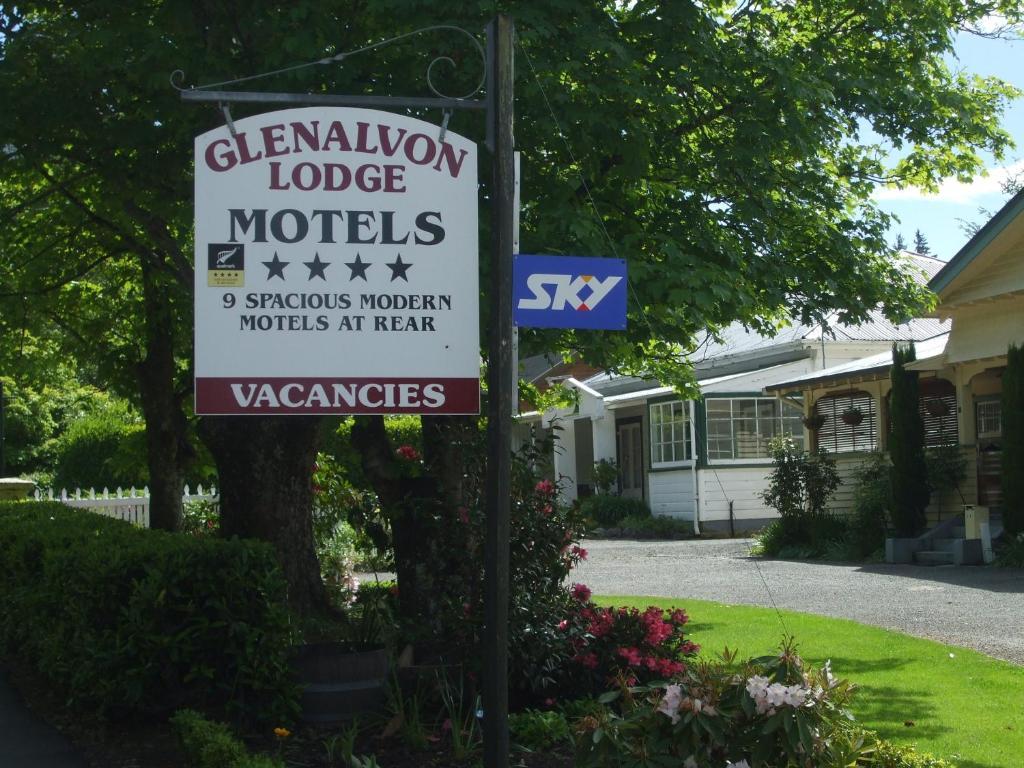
column 729, row 148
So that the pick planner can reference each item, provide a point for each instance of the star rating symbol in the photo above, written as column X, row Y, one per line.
column 275, row 267
column 317, row 267
column 398, row 269
column 358, row 268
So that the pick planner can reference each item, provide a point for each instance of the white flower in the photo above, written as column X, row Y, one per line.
column 690, row 762
column 670, row 702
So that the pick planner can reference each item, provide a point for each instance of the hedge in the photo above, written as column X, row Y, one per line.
column 128, row 621
column 607, row 510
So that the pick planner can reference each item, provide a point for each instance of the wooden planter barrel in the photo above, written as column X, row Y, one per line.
column 339, row 683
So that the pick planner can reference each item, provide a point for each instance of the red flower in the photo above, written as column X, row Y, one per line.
column 563, row 625
column 588, row 660
column 549, row 702
column 547, row 510
column 581, row 592
column 579, row 552
column 408, row 453
column 545, row 487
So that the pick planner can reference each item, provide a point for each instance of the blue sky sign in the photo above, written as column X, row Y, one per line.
column 568, row 292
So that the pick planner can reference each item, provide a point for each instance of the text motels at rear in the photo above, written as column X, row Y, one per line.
column 336, row 266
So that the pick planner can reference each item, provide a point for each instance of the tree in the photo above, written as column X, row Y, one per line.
column 921, row 243
column 715, row 145
column 900, row 244
column 910, row 491
column 1013, row 441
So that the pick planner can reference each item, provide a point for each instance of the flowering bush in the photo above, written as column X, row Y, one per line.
column 623, row 644
column 771, row 712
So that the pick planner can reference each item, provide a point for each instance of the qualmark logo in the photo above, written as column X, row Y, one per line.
column 556, row 292
column 225, row 265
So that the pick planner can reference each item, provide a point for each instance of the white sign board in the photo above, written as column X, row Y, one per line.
column 336, row 266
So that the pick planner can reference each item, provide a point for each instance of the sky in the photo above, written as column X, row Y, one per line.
column 938, row 216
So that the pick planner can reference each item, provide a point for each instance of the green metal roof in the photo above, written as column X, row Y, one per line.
column 982, row 238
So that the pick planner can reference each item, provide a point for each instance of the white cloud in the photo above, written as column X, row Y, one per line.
column 953, row 191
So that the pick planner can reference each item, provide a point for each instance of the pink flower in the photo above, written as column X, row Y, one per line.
column 581, row 592
column 545, row 487
column 563, row 625
column 588, row 660
column 632, row 656
column 579, row 552
column 549, row 702
column 463, row 515
column 547, row 510
column 408, row 453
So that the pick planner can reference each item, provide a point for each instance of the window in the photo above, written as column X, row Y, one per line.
column 839, row 433
column 670, row 434
column 990, row 418
column 741, row 428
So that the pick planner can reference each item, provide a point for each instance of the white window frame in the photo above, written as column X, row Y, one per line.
column 780, row 423
column 681, row 432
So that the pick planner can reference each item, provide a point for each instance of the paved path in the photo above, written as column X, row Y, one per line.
column 976, row 607
column 28, row 742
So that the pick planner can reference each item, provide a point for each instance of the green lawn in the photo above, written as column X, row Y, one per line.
column 952, row 702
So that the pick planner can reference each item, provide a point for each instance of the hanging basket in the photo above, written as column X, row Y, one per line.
column 936, row 407
column 852, row 416
column 814, row 422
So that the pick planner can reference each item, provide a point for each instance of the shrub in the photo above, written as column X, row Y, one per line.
column 614, row 645
column 608, row 511
column 338, row 503
column 769, row 711
column 1013, row 441
column 909, row 475
column 870, row 523
column 208, row 744
column 536, row 730
column 656, row 527
column 103, row 449
column 800, row 483
column 130, row 621
column 200, row 518
column 806, row 536
column 1012, row 553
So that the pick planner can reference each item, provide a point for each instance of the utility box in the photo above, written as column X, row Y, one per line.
column 974, row 518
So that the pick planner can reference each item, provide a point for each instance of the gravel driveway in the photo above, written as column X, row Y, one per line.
column 976, row 607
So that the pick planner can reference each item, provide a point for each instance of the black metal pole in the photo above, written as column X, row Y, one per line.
column 3, row 465
column 499, row 410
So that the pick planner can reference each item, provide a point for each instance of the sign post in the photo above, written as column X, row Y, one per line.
column 298, row 246
column 500, row 397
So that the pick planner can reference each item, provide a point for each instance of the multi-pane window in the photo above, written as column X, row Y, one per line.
column 990, row 418
column 670, row 434
column 741, row 428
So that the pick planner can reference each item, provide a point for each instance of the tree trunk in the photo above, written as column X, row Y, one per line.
column 425, row 564
column 168, row 450
column 265, row 469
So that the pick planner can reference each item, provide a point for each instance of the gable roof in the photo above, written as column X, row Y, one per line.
column 981, row 240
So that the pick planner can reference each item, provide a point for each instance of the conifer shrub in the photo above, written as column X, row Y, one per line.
column 1013, row 441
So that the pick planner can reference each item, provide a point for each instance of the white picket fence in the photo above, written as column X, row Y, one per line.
column 131, row 505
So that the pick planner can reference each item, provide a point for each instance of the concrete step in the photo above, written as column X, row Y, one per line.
column 933, row 557
column 944, row 545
